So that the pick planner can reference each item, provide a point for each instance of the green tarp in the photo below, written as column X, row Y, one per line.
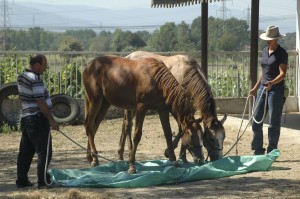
column 158, row 172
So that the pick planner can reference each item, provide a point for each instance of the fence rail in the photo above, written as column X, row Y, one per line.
column 228, row 72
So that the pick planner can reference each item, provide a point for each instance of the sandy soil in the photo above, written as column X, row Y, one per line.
column 282, row 181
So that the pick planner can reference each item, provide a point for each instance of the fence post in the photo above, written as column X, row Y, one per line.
column 239, row 84
column 59, row 83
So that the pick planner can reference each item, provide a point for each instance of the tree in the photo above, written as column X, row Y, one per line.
column 288, row 42
column 164, row 39
column 144, row 35
column 69, row 43
column 216, row 29
column 84, row 36
column 35, row 38
column 102, row 42
column 238, row 29
column 125, row 39
column 117, row 40
column 227, row 42
column 184, row 38
column 196, row 32
column 20, row 40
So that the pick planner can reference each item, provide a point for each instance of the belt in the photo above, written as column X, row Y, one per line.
column 39, row 114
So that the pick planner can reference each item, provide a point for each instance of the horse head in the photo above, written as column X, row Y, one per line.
column 213, row 138
column 192, row 138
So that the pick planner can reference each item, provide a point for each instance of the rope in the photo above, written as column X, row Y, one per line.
column 47, row 155
column 95, row 154
column 265, row 107
column 46, row 163
column 252, row 117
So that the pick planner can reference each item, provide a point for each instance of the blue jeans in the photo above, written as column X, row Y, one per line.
column 35, row 131
column 274, row 105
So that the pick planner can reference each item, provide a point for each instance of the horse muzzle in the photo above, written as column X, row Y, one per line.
column 197, row 154
column 215, row 154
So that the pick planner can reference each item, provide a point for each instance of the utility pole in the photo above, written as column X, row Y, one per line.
column 4, row 24
column 223, row 10
column 249, row 16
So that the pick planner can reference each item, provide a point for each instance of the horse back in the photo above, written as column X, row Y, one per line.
column 177, row 64
column 118, row 78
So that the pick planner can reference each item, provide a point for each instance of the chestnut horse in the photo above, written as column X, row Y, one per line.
column 190, row 75
column 137, row 85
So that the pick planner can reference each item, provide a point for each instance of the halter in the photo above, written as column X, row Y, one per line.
column 213, row 147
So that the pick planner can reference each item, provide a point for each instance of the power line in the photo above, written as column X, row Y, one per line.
column 61, row 27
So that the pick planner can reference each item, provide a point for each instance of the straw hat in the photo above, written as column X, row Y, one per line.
column 271, row 33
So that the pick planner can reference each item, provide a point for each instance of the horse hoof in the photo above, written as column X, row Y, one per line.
column 176, row 164
column 121, row 159
column 94, row 163
column 200, row 162
column 131, row 169
column 89, row 158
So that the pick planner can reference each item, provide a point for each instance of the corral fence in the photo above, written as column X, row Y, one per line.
column 228, row 72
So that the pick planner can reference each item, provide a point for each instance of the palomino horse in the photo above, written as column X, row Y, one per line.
column 140, row 86
column 190, row 75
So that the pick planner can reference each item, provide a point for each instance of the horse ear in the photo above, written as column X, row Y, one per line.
column 224, row 118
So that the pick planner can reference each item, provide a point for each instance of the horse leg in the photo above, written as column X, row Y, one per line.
column 126, row 132
column 99, row 118
column 165, row 122
column 174, row 142
column 94, row 108
column 139, row 120
column 91, row 110
column 177, row 137
column 183, row 154
column 89, row 156
column 131, row 115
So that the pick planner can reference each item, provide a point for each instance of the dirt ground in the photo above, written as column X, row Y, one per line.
column 282, row 181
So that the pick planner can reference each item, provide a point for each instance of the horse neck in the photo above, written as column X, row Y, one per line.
column 173, row 93
column 208, row 112
column 200, row 92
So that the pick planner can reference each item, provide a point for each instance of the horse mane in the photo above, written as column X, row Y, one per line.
column 173, row 92
column 200, row 92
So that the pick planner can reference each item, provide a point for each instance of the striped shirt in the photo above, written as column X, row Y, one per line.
column 31, row 87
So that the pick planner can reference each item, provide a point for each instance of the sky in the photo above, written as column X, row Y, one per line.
column 268, row 8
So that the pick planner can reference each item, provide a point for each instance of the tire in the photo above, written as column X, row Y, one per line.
column 65, row 108
column 9, row 115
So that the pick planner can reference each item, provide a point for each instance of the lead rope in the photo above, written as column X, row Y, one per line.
column 46, row 163
column 48, row 145
column 95, row 154
column 265, row 107
column 252, row 117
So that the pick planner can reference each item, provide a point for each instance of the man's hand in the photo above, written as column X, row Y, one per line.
column 54, row 125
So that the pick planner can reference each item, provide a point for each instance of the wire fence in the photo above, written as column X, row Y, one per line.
column 228, row 72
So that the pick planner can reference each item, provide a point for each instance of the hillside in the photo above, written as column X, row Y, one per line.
column 61, row 17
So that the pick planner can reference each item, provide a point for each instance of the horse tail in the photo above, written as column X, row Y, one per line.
column 173, row 92
column 199, row 91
